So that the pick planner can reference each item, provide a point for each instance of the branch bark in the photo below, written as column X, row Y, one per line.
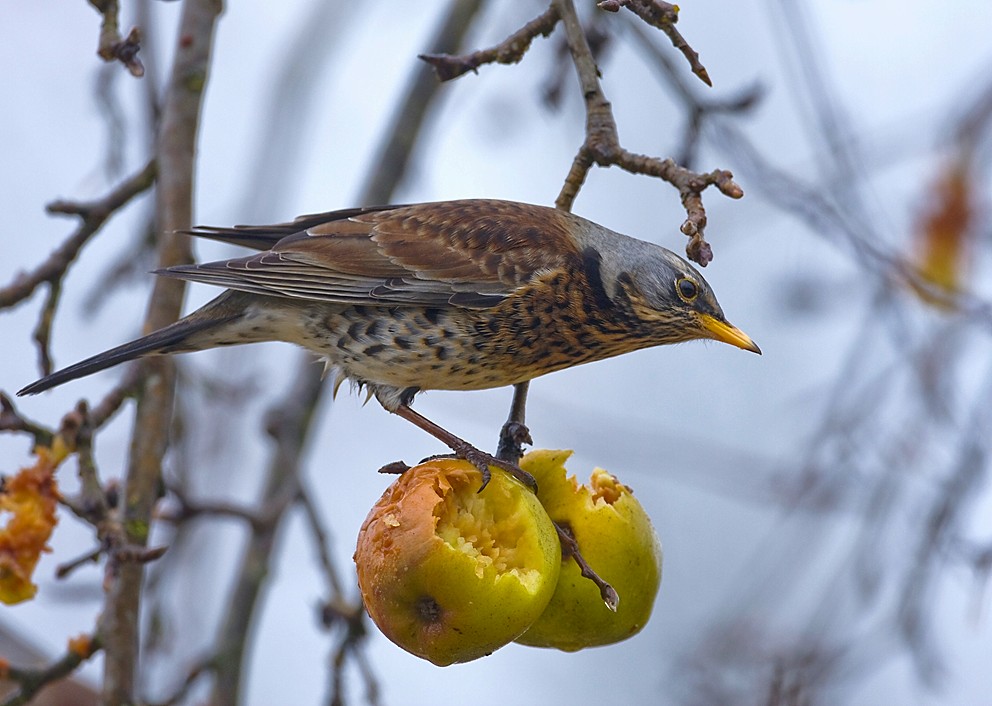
column 120, row 627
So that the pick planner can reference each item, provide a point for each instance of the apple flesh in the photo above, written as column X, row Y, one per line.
column 449, row 573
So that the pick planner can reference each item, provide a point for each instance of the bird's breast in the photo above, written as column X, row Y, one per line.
column 539, row 329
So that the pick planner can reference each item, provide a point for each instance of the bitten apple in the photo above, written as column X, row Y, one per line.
column 618, row 541
column 449, row 573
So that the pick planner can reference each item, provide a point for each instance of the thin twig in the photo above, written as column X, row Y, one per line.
column 13, row 420
column 602, row 147
column 570, row 549
column 664, row 15
column 510, row 51
column 31, row 681
column 67, row 567
column 192, row 677
column 321, row 542
column 112, row 47
column 93, row 214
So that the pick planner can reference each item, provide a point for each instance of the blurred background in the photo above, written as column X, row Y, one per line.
column 824, row 508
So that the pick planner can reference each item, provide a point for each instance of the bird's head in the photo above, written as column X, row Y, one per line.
column 669, row 296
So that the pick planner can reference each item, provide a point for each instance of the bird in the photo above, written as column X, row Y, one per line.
column 448, row 295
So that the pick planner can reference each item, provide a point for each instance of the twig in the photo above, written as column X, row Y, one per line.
column 699, row 108
column 602, row 147
column 664, row 15
column 43, row 331
column 321, row 543
column 196, row 671
column 12, row 420
column 94, row 499
column 32, row 681
column 93, row 215
column 111, row 46
column 355, row 633
column 66, row 568
column 337, row 610
column 570, row 548
column 189, row 509
column 510, row 51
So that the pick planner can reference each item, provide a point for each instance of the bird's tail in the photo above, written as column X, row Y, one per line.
column 175, row 338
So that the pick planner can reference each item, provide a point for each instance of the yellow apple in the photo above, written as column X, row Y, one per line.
column 449, row 573
column 618, row 541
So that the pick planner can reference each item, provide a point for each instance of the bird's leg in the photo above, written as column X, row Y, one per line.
column 515, row 433
column 477, row 457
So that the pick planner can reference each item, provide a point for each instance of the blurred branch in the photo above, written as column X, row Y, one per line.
column 699, row 108
column 404, row 130
column 93, row 214
column 176, row 158
column 13, row 420
column 112, row 47
column 31, row 681
column 338, row 611
column 291, row 105
column 194, row 674
column 287, row 424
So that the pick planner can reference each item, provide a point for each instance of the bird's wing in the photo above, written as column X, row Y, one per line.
column 461, row 253
column 265, row 237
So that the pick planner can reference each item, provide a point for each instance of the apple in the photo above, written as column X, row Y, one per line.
column 449, row 573
column 617, row 540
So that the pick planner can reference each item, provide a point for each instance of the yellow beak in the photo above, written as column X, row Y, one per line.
column 722, row 331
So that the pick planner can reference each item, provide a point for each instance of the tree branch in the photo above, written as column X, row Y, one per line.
column 664, row 15
column 93, row 214
column 32, row 681
column 602, row 147
column 176, row 155
column 112, row 47
column 509, row 51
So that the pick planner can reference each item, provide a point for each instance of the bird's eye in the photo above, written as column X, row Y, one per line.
column 687, row 289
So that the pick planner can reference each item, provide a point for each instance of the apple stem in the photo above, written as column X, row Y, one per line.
column 570, row 548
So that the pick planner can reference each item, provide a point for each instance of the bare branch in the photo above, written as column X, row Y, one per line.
column 176, row 157
column 112, row 47
column 321, row 542
column 67, row 567
column 664, row 15
column 93, row 214
column 32, row 681
column 509, row 51
column 12, row 420
column 602, row 147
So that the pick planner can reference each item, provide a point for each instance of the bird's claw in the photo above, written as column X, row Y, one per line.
column 482, row 460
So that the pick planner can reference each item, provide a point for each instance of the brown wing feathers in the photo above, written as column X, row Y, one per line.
column 463, row 253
